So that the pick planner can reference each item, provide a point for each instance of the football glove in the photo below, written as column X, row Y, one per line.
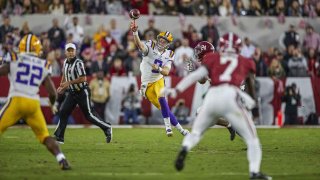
column 54, row 107
column 190, row 67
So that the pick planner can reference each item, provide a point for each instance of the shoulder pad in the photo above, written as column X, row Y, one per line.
column 151, row 44
column 10, row 57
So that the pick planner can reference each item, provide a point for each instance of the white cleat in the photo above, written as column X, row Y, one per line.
column 169, row 132
column 185, row 132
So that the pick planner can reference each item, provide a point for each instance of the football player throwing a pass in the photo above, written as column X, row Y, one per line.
column 156, row 64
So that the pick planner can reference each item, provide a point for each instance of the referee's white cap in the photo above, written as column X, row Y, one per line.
column 70, row 45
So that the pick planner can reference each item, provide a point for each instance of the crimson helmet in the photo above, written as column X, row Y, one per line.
column 230, row 42
column 201, row 49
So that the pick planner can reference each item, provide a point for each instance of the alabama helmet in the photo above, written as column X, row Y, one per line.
column 230, row 42
column 30, row 44
column 201, row 49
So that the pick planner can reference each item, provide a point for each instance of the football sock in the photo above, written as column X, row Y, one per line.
column 167, row 122
column 164, row 107
column 179, row 127
column 174, row 121
column 60, row 156
column 254, row 154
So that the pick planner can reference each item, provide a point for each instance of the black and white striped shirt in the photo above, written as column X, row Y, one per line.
column 73, row 69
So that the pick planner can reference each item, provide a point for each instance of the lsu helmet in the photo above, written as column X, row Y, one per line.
column 201, row 49
column 167, row 36
column 230, row 42
column 30, row 44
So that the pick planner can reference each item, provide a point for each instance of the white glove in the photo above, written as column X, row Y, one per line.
column 243, row 87
column 190, row 66
column 142, row 90
column 247, row 100
column 171, row 92
column 54, row 107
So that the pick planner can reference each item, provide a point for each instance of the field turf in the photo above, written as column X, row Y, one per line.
column 143, row 153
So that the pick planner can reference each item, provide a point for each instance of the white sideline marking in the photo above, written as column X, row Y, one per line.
column 78, row 126
column 154, row 174
column 178, row 174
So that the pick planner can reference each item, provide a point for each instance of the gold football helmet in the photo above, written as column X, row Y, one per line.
column 167, row 36
column 30, row 44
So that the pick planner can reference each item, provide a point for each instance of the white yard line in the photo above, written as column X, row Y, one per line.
column 78, row 126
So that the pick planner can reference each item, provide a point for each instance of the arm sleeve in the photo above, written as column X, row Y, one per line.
column 192, row 78
column 80, row 68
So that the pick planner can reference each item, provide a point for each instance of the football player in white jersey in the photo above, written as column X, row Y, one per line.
column 26, row 72
column 156, row 64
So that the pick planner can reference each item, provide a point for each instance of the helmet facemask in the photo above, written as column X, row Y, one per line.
column 162, row 43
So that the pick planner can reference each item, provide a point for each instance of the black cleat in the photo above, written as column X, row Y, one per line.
column 180, row 159
column 232, row 133
column 64, row 165
column 59, row 140
column 108, row 133
column 259, row 175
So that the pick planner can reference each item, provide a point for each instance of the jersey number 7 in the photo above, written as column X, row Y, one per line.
column 157, row 62
column 226, row 75
column 24, row 72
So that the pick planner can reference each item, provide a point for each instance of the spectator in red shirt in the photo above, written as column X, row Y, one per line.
column 269, row 55
column 117, row 68
column 313, row 62
column 106, row 42
column 141, row 5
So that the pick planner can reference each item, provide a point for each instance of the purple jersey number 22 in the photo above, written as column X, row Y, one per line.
column 22, row 76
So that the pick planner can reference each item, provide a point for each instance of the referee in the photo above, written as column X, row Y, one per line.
column 75, row 82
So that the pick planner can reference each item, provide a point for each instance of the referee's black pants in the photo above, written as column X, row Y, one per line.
column 82, row 98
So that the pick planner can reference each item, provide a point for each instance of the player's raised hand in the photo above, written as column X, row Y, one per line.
column 190, row 67
column 171, row 92
column 133, row 26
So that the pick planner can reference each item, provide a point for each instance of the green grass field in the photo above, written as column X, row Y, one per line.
column 142, row 153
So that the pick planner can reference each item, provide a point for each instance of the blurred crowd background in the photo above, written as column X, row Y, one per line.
column 112, row 50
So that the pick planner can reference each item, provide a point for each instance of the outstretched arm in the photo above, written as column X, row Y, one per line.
column 191, row 66
column 197, row 75
column 136, row 38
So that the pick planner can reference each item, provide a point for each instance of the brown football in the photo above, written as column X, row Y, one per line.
column 134, row 14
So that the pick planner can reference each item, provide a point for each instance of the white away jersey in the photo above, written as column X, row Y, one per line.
column 27, row 73
column 153, row 56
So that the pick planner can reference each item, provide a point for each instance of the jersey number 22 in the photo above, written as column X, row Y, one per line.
column 24, row 72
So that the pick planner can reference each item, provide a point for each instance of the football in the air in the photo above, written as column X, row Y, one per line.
column 134, row 14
